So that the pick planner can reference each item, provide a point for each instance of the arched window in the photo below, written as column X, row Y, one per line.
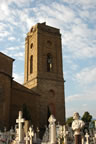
column 1, row 94
column 31, row 30
column 49, row 43
column 31, row 46
column 49, row 62
column 31, row 64
column 51, row 110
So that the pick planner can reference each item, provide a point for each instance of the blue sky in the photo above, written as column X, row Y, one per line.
column 76, row 20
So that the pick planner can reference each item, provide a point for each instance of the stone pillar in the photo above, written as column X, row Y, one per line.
column 52, row 129
column 26, row 126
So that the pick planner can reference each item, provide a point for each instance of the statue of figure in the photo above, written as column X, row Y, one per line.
column 49, row 62
column 77, row 126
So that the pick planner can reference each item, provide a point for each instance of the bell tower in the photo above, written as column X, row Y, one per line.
column 43, row 70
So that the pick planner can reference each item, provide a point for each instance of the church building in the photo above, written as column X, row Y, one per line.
column 43, row 88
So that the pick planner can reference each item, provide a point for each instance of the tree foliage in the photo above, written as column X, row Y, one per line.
column 87, row 117
column 69, row 121
column 26, row 113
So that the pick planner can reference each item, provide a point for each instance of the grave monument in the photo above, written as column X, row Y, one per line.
column 77, row 126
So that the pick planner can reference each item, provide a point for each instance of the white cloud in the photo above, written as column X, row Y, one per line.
column 13, row 48
column 4, row 34
column 26, row 20
column 80, row 41
column 86, row 95
column 19, row 77
column 19, row 3
column 74, row 97
column 85, row 4
column 81, row 102
column 84, row 105
column 63, row 13
column 55, row 15
column 4, row 9
column 15, row 52
column 78, row 37
column 86, row 76
column 19, row 54
column 11, row 38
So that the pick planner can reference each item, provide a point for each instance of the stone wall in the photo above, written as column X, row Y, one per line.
column 21, row 95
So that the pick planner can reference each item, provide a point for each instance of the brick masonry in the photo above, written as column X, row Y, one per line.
column 43, row 90
column 50, row 85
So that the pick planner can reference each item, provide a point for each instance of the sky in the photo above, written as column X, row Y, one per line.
column 76, row 20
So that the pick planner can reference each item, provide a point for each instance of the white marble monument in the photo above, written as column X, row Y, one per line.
column 20, row 120
column 52, row 130
column 77, row 126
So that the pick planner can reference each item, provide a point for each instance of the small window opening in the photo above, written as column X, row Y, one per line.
column 49, row 43
column 49, row 62
column 31, row 45
column 31, row 64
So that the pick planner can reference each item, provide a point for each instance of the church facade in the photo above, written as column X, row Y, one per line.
column 43, row 89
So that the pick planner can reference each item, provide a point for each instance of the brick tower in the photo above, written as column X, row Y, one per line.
column 43, row 71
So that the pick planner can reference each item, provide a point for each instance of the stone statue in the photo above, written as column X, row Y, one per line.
column 77, row 126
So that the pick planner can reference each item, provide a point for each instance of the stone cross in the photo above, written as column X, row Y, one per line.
column 58, row 141
column 5, row 130
column 5, row 134
column 82, row 140
column 20, row 120
column 31, row 134
column 52, row 121
column 26, row 138
column 37, row 130
column 61, row 131
column 35, row 138
column 65, row 133
column 11, row 133
column 57, row 130
column 87, row 138
column 95, row 124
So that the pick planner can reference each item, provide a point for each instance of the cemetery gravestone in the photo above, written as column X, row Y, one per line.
column 87, row 138
column 20, row 120
column 31, row 134
column 26, row 138
column 52, row 127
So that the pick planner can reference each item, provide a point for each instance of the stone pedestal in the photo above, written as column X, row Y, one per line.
column 26, row 126
column 78, row 139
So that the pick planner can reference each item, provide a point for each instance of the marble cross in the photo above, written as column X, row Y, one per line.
column 11, row 133
column 26, row 138
column 65, row 133
column 87, row 138
column 31, row 134
column 82, row 140
column 20, row 120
